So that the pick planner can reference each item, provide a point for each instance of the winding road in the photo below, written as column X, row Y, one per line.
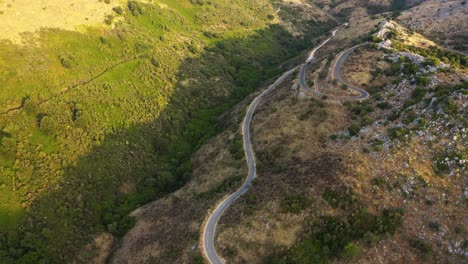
column 335, row 75
column 210, row 226
column 209, row 229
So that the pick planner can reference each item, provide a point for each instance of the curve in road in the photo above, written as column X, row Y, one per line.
column 209, row 230
column 335, row 75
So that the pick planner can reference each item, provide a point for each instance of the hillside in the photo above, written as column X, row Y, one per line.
column 96, row 123
column 21, row 18
column 360, row 182
column 443, row 21
column 119, row 131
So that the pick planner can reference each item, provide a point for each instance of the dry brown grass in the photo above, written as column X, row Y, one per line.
column 256, row 227
column 359, row 27
column 357, row 69
column 413, row 38
column 307, row 164
column 98, row 251
column 444, row 21
column 19, row 16
column 357, row 73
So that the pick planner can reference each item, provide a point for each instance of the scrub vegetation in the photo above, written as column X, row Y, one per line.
column 96, row 124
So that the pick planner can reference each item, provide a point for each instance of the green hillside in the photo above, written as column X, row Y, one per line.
column 95, row 125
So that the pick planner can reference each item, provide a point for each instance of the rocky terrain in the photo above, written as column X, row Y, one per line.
column 403, row 150
column 441, row 20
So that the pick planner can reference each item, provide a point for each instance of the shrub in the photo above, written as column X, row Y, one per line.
column 335, row 235
column 383, row 105
column 418, row 94
column 337, row 199
column 434, row 226
column 380, row 182
column 354, row 129
column 350, row 250
column 236, row 148
column 375, row 39
column 421, row 80
column 67, row 61
column 118, row 10
column 395, row 69
column 135, row 8
column 420, row 245
column 376, row 72
column 410, row 68
column 440, row 165
column 450, row 107
column 432, row 61
column 398, row 133
column 362, row 109
column 295, row 203
column 108, row 20
column 378, row 96
column 198, row 2
column 410, row 117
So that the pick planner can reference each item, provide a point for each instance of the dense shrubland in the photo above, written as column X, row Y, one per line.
column 94, row 125
column 337, row 236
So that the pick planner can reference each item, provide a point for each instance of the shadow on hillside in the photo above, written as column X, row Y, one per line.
column 145, row 162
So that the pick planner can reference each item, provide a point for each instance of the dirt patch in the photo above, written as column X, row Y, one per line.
column 363, row 66
column 98, row 252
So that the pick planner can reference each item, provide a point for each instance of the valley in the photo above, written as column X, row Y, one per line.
column 238, row 131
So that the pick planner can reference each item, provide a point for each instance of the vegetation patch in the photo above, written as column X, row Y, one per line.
column 435, row 54
column 226, row 185
column 335, row 237
column 295, row 203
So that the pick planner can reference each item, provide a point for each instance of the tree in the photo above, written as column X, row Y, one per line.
column 47, row 124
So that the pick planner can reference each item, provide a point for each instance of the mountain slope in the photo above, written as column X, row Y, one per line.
column 96, row 124
column 364, row 182
column 443, row 21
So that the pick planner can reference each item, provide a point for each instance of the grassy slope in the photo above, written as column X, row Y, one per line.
column 94, row 125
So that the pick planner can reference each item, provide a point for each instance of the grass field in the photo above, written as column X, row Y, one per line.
column 21, row 16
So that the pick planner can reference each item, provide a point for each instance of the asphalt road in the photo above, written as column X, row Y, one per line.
column 209, row 231
column 335, row 75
